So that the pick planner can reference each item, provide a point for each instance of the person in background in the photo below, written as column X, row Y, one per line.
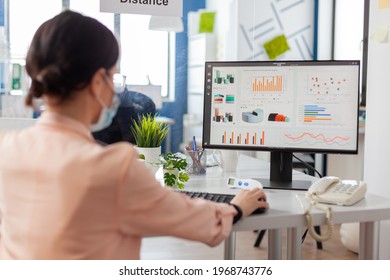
column 133, row 106
column 64, row 196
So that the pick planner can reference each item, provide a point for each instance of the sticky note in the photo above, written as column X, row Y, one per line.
column 383, row 4
column 206, row 22
column 276, row 46
column 380, row 35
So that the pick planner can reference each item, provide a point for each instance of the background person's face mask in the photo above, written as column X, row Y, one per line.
column 106, row 114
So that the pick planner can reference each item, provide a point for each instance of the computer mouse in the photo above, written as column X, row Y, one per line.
column 259, row 210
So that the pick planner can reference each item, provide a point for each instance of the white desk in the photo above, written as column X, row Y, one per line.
column 286, row 212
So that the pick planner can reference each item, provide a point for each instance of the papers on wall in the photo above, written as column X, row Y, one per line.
column 383, row 4
column 206, row 22
column 381, row 34
column 276, row 46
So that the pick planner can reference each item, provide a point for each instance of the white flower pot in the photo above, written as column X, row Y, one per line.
column 152, row 156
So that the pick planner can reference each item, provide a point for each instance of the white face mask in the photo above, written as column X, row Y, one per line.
column 106, row 114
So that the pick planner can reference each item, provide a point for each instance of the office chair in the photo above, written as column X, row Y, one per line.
column 133, row 105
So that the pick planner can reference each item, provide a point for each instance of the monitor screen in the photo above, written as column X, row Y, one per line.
column 282, row 106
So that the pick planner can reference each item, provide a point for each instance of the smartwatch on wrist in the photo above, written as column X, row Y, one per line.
column 238, row 216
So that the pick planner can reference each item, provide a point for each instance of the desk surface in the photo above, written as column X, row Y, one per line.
column 286, row 206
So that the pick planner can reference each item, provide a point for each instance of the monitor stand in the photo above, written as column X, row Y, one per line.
column 281, row 174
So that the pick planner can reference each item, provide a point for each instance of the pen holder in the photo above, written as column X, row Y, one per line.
column 196, row 161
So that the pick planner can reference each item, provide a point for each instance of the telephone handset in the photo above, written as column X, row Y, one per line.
column 332, row 190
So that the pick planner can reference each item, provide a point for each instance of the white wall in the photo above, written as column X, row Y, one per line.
column 347, row 167
column 325, row 29
column 245, row 25
column 377, row 146
column 349, row 20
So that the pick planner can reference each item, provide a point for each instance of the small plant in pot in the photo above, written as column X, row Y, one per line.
column 148, row 132
column 149, row 135
column 174, row 167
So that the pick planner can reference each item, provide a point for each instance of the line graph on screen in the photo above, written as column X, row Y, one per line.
column 319, row 138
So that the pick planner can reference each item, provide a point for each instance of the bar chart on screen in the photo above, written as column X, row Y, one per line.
column 243, row 138
column 324, row 114
column 267, row 84
column 314, row 112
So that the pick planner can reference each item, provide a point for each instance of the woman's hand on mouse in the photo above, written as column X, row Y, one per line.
column 250, row 200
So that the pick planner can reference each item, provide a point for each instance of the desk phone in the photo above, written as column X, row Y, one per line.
column 332, row 190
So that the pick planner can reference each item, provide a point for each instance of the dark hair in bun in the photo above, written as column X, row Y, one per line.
column 65, row 53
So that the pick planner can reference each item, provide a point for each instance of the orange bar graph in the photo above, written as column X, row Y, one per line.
column 267, row 84
column 247, row 138
column 311, row 119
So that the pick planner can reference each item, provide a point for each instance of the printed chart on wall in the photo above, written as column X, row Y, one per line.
column 288, row 107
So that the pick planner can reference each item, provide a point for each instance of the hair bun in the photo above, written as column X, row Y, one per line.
column 50, row 76
column 47, row 81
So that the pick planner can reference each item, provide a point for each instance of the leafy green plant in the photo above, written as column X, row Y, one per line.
column 148, row 132
column 171, row 163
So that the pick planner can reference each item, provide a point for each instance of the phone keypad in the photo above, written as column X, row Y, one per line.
column 345, row 188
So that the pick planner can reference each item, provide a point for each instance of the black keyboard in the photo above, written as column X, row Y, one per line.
column 216, row 197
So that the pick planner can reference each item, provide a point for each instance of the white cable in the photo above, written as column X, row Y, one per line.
column 329, row 221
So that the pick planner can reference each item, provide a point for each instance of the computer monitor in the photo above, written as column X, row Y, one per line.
column 282, row 107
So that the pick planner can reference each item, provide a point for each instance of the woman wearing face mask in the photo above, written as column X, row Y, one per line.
column 62, row 195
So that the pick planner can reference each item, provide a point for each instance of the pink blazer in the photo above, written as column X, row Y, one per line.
column 63, row 196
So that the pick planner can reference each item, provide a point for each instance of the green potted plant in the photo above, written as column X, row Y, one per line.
column 149, row 135
column 174, row 168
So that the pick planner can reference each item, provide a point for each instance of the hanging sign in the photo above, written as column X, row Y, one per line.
column 168, row 8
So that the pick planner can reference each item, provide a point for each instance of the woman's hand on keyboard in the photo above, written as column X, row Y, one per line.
column 250, row 200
